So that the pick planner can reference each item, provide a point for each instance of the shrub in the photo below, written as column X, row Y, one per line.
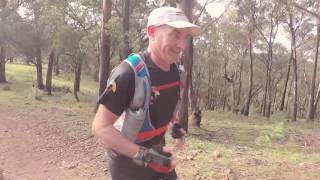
column 274, row 133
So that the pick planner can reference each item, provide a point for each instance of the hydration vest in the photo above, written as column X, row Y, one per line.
column 135, row 122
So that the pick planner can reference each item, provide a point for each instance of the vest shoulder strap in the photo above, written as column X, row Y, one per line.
column 137, row 63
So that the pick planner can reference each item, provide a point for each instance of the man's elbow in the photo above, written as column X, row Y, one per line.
column 97, row 129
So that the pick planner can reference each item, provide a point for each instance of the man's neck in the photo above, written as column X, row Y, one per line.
column 158, row 61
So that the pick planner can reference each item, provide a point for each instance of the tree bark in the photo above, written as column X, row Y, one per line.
column 49, row 73
column 40, row 84
column 77, row 76
column 125, row 28
column 270, row 57
column 187, row 61
column 295, row 71
column 104, row 47
column 56, row 66
column 317, row 97
column 283, row 97
column 239, row 88
column 265, row 95
column 2, row 64
column 246, row 108
column 295, row 100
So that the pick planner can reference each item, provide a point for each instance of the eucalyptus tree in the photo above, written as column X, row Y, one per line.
column 314, row 97
column 246, row 14
column 266, row 22
column 8, row 18
column 299, row 27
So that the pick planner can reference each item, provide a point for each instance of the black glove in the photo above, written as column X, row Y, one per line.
column 176, row 131
column 154, row 158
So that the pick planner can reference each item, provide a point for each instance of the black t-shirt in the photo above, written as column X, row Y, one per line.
column 118, row 96
column 163, row 99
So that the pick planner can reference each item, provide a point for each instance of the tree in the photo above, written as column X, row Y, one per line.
column 270, row 10
column 105, row 46
column 3, row 4
column 246, row 108
column 187, row 61
column 312, row 106
column 49, row 73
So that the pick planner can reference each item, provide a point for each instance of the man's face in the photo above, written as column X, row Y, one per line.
column 169, row 42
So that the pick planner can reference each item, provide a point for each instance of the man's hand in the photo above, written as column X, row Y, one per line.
column 180, row 142
column 158, row 159
column 179, row 134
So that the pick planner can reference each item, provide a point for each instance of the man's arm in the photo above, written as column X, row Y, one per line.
column 109, row 136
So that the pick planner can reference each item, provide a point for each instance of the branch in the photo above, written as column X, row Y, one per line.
column 216, row 19
column 259, row 30
column 202, row 9
column 300, row 7
column 75, row 17
column 305, row 9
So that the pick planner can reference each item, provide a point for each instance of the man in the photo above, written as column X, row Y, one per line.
column 136, row 149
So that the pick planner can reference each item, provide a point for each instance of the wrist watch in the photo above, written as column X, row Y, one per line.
column 140, row 158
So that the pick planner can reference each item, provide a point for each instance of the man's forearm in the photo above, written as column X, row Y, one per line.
column 111, row 138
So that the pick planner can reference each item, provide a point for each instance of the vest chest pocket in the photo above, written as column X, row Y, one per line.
column 133, row 122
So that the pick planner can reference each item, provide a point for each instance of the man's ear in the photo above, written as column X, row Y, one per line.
column 151, row 30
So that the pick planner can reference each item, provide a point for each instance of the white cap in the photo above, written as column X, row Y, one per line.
column 173, row 17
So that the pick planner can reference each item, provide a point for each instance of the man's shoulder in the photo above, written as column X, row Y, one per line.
column 124, row 68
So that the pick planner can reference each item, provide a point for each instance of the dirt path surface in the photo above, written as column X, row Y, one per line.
column 32, row 148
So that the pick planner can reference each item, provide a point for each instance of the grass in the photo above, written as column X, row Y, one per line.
column 225, row 143
column 69, row 113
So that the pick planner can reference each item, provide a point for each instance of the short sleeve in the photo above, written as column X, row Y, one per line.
column 119, row 90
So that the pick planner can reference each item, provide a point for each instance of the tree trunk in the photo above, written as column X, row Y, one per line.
column 233, row 96
column 187, row 60
column 283, row 98
column 265, row 95
column 77, row 76
column 2, row 64
column 104, row 47
column 268, row 110
column 56, row 66
column 210, row 71
column 289, row 95
column 40, row 84
column 311, row 105
column 49, row 73
column 295, row 69
column 125, row 28
column 246, row 108
column 239, row 87
column 295, row 98
column 317, row 97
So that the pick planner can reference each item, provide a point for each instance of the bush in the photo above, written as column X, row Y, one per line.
column 274, row 133
column 65, row 89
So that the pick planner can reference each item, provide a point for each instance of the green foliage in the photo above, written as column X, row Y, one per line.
column 64, row 89
column 275, row 132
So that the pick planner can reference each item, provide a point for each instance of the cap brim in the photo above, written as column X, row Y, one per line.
column 194, row 29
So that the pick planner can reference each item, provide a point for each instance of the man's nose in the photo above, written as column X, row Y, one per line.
column 182, row 43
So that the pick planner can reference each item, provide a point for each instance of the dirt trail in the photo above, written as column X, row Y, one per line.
column 31, row 148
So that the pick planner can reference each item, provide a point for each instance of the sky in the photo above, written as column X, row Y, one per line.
column 216, row 9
